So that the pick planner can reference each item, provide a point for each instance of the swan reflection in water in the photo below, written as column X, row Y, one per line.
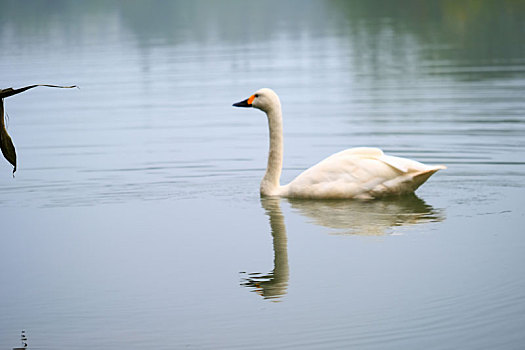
column 273, row 284
column 368, row 218
column 355, row 217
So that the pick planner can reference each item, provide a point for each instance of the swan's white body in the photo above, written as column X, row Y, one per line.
column 353, row 173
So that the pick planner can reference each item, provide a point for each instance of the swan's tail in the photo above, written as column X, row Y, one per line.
column 420, row 177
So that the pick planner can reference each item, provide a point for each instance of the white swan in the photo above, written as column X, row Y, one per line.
column 353, row 173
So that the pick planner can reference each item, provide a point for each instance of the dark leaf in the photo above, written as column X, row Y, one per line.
column 6, row 144
column 10, row 91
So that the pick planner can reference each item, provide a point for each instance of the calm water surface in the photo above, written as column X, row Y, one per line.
column 134, row 219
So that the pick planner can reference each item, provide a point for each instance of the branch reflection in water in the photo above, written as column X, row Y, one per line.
column 355, row 217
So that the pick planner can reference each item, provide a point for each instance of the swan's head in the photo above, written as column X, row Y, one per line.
column 264, row 99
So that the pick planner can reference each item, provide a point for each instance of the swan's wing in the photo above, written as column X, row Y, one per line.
column 359, row 173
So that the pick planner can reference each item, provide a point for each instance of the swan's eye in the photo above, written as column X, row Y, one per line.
column 256, row 95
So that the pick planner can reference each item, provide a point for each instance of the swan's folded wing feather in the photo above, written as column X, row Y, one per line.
column 404, row 165
column 367, row 152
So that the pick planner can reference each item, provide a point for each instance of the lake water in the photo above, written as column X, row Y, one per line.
column 134, row 219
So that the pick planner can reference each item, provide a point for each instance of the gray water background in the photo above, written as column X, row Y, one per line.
column 134, row 220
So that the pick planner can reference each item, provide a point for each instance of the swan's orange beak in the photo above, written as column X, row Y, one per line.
column 245, row 103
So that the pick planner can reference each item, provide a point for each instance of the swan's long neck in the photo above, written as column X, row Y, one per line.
column 270, row 182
